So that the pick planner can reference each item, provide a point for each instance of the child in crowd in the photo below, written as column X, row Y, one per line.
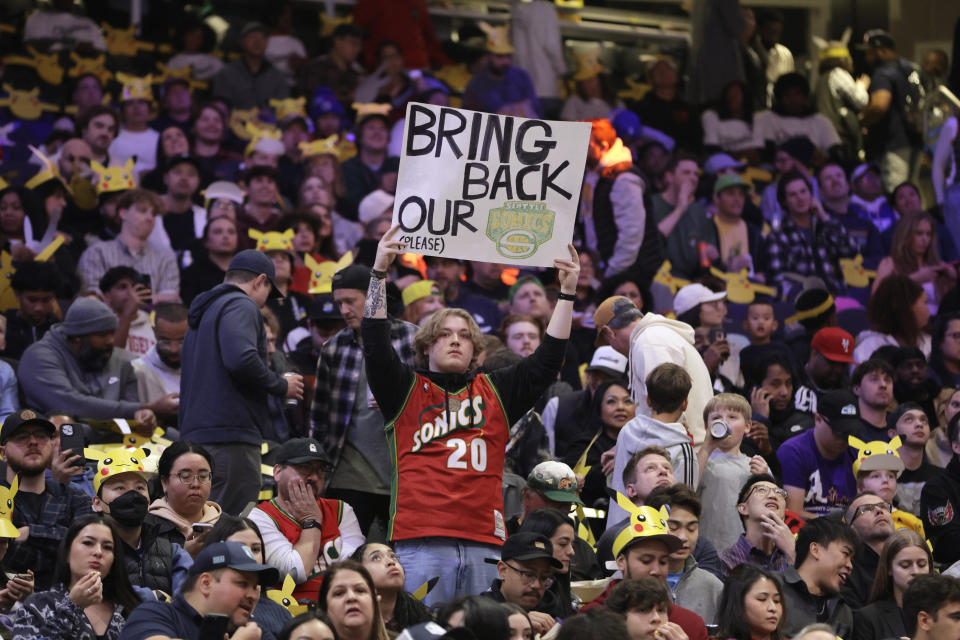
column 876, row 468
column 723, row 468
column 761, row 322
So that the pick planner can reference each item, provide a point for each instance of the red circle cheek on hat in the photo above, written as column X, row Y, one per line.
column 638, row 528
column 104, row 472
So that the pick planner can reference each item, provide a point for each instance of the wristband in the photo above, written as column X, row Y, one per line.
column 379, row 275
column 566, row 296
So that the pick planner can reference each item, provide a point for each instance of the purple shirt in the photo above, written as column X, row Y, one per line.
column 829, row 484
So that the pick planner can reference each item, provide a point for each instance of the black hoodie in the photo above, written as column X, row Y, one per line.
column 225, row 379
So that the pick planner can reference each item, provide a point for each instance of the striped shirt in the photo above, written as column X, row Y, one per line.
column 743, row 552
column 159, row 264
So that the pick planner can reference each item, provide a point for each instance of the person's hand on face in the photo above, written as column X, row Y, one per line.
column 541, row 622
column 88, row 590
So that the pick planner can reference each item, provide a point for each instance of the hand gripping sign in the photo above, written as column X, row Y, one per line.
column 487, row 187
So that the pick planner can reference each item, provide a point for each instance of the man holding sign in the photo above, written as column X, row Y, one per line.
column 447, row 426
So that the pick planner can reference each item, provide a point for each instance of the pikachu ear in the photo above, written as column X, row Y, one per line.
column 14, row 487
column 128, row 165
column 7, row 88
column 664, row 513
column 856, row 442
column 35, row 92
column 310, row 263
column 253, row 233
column 94, row 454
column 820, row 42
column 845, row 38
column 288, row 234
column 123, row 78
column 97, row 167
column 274, row 103
column 896, row 443
column 625, row 503
column 345, row 260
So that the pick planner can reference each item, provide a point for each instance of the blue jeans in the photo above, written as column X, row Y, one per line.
column 458, row 563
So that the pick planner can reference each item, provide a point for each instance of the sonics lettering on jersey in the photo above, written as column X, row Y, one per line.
column 469, row 416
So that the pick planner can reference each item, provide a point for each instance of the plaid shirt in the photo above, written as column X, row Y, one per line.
column 338, row 376
column 744, row 552
column 60, row 504
column 789, row 251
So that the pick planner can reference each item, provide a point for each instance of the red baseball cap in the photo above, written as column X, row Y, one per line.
column 834, row 344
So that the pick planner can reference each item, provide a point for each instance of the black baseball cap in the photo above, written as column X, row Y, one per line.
column 259, row 263
column 23, row 418
column 879, row 39
column 301, row 451
column 840, row 410
column 233, row 555
column 324, row 307
column 181, row 158
column 527, row 546
column 354, row 276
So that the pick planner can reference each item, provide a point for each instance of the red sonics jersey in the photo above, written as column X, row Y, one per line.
column 449, row 463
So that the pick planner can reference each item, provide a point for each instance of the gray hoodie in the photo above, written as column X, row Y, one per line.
column 698, row 590
column 53, row 382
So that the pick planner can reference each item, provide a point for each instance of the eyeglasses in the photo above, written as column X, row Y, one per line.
column 870, row 508
column 763, row 490
column 528, row 577
column 187, row 477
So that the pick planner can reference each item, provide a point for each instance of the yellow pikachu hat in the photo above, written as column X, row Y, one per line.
column 321, row 273
column 588, row 63
column 284, row 597
column 48, row 172
column 646, row 523
column 7, row 528
column 876, row 455
column 498, row 38
column 263, row 139
column 113, row 179
column 367, row 110
column 135, row 88
column 113, row 462
column 289, row 108
column 273, row 240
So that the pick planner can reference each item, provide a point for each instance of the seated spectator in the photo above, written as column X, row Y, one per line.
column 872, row 383
column 559, row 529
column 904, row 556
column 173, row 142
column 311, row 624
column 284, row 50
column 150, row 560
column 663, row 107
column 689, row 585
column 291, row 308
column 526, row 569
column 898, row 315
column 769, row 372
column 197, row 43
column 251, row 81
column 135, row 139
column 739, row 243
column 816, row 464
column 766, row 541
column 183, row 220
column 76, row 369
column 34, row 286
column 270, row 616
column 644, row 604
column 225, row 580
column 914, row 253
column 760, row 322
column 420, row 299
column 186, row 471
column 930, row 606
column 483, row 616
column 937, row 500
column 827, row 368
column 912, row 425
column 17, row 588
column 304, row 534
column 878, row 467
column 793, row 114
column 448, row 273
column 158, row 370
column 176, row 106
column 825, row 552
column 98, row 126
column 138, row 210
column 729, row 125
column 209, row 267
column 262, row 210
column 794, row 154
column 680, row 218
column 90, row 591
column 522, row 334
column 349, row 598
column 337, row 70
column 907, row 201
column 123, row 290
column 593, row 96
column 839, row 97
column 869, row 198
column 807, row 243
column 611, row 409
column 28, row 450
column 209, row 147
column 398, row 608
column 360, row 173
column 838, row 204
column 499, row 84
column 752, row 605
column 724, row 467
column 870, row 516
column 668, row 389
column 595, row 624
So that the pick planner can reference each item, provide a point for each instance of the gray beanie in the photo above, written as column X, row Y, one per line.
column 86, row 316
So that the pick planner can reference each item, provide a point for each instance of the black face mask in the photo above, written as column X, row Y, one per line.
column 130, row 509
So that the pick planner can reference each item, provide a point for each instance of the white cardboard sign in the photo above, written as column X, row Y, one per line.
column 480, row 186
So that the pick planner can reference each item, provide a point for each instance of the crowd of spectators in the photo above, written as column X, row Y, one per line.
column 234, row 405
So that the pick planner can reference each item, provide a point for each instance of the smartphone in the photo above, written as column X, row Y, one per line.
column 716, row 334
column 214, row 626
column 71, row 438
column 144, row 279
column 200, row 528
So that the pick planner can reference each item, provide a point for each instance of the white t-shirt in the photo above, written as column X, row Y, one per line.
column 142, row 144
column 777, row 128
column 729, row 135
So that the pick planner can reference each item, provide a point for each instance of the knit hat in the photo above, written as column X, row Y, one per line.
column 86, row 316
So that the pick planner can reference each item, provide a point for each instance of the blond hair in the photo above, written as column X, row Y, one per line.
column 733, row 401
column 429, row 333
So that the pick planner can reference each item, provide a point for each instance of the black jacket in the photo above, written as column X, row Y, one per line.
column 225, row 379
column 939, row 501
column 802, row 607
column 856, row 590
column 879, row 620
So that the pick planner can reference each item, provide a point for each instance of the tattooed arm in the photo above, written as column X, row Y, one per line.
column 387, row 251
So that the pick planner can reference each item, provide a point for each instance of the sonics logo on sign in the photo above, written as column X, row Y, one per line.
column 519, row 227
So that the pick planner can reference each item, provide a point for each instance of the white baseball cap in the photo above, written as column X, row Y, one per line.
column 692, row 295
column 608, row 360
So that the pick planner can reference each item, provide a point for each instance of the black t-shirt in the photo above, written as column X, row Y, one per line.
column 179, row 226
column 891, row 132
